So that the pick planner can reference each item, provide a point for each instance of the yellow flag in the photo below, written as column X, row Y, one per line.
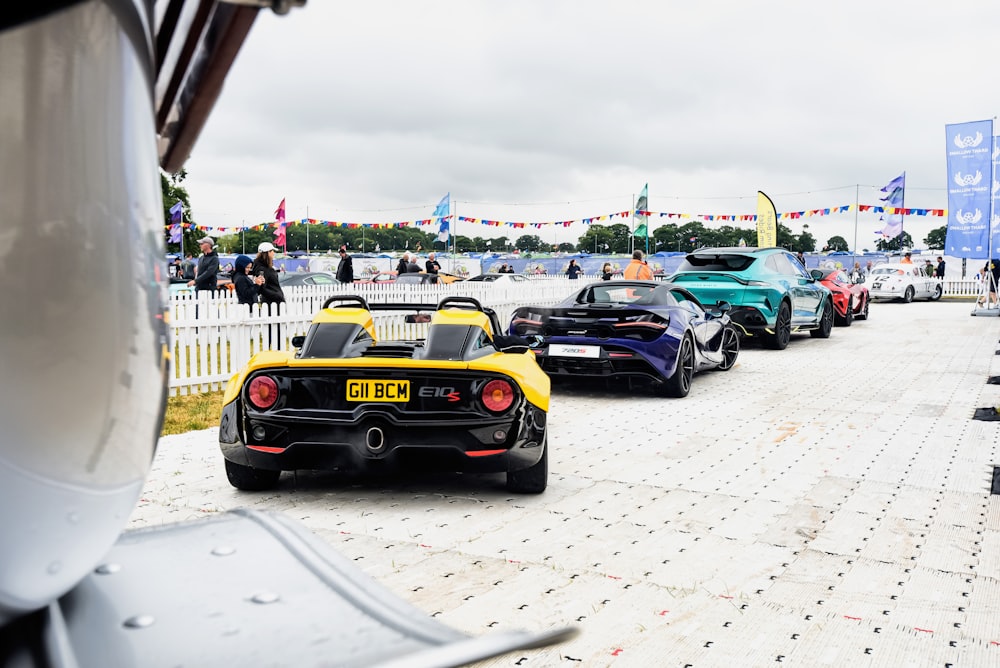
column 767, row 222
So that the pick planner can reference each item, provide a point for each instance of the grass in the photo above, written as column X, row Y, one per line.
column 192, row 412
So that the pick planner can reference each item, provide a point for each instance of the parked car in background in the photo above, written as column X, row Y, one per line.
column 850, row 300
column 771, row 292
column 905, row 282
column 291, row 279
column 648, row 331
column 423, row 278
column 465, row 397
column 499, row 278
column 224, row 281
column 379, row 278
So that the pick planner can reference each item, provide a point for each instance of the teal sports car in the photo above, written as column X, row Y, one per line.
column 771, row 293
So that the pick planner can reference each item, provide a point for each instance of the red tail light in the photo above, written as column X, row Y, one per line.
column 263, row 392
column 497, row 395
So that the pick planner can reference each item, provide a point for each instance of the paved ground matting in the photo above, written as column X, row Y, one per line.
column 825, row 505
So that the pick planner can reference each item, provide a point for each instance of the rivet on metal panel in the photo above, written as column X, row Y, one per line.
column 878, row 629
column 265, row 597
column 139, row 622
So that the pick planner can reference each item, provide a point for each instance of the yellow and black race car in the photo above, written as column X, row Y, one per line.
column 463, row 398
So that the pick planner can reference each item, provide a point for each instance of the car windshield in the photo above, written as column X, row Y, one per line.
column 600, row 294
column 886, row 270
column 716, row 262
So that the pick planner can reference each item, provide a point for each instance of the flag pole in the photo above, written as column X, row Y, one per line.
column 307, row 229
column 631, row 237
column 855, row 247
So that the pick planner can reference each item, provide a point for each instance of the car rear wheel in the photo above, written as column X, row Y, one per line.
column 250, row 479
column 849, row 313
column 782, row 329
column 864, row 311
column 679, row 384
column 533, row 479
column 908, row 294
column 825, row 322
column 938, row 291
column 730, row 348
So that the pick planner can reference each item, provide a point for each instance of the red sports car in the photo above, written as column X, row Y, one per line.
column 850, row 300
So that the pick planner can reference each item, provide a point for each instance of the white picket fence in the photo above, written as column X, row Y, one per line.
column 214, row 336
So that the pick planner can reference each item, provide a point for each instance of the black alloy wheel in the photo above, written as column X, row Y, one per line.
column 782, row 329
column 908, row 294
column 679, row 384
column 825, row 322
column 730, row 348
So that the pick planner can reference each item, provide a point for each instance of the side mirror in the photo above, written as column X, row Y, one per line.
column 297, row 341
column 816, row 274
column 723, row 306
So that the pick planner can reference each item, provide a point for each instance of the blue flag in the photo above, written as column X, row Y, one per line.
column 443, row 209
column 895, row 191
column 177, row 212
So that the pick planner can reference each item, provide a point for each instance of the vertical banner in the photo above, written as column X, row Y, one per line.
column 767, row 222
column 995, row 199
column 970, row 182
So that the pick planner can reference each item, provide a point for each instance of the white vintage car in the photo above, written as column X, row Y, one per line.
column 902, row 281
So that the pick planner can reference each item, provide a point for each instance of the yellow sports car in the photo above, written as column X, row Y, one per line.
column 462, row 398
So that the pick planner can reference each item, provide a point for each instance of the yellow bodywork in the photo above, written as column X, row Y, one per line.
column 521, row 367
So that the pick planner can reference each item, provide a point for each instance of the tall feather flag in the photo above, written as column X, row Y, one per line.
column 279, row 231
column 177, row 218
column 443, row 209
column 767, row 222
column 895, row 191
column 642, row 204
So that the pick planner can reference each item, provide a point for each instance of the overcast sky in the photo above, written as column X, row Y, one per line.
column 554, row 110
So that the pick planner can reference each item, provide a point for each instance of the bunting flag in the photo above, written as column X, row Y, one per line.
column 894, row 190
column 443, row 211
column 177, row 213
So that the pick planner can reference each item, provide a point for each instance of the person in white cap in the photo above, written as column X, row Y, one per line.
column 206, row 274
column 263, row 266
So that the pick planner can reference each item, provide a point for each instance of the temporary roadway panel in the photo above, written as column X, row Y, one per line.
column 824, row 505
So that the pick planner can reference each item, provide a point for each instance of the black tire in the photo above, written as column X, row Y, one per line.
column 533, row 479
column 782, row 329
column 864, row 310
column 908, row 294
column 679, row 384
column 730, row 348
column 825, row 322
column 250, row 479
column 849, row 314
column 938, row 291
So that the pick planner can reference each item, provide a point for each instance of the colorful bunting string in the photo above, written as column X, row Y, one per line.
column 706, row 217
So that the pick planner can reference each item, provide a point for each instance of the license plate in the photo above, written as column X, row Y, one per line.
column 378, row 390
column 565, row 350
column 876, row 286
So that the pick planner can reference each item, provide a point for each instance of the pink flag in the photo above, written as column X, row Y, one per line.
column 280, row 212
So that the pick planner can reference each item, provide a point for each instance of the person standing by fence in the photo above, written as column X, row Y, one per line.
column 207, row 274
column 345, row 270
column 247, row 290
column 271, row 293
column 263, row 266
column 637, row 269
